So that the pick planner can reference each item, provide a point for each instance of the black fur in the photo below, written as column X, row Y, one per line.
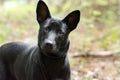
column 45, row 61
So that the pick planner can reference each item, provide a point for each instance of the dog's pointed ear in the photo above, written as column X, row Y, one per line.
column 42, row 12
column 72, row 19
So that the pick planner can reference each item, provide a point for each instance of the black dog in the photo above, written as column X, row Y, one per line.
column 46, row 61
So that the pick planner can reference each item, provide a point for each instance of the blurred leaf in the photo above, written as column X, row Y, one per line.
column 97, row 13
column 102, row 2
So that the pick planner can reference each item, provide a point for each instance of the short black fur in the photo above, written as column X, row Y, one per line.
column 45, row 61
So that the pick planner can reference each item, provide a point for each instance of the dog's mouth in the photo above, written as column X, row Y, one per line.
column 53, row 53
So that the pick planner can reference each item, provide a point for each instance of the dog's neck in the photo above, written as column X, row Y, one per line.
column 48, row 64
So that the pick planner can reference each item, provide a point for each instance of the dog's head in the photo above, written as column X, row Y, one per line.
column 53, row 34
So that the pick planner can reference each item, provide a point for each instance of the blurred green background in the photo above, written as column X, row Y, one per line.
column 99, row 27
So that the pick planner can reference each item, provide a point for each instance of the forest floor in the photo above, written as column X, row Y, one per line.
column 100, row 64
column 95, row 68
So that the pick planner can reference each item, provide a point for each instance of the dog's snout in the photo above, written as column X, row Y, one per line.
column 49, row 45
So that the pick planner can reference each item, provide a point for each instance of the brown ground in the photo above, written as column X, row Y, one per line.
column 95, row 68
column 100, row 65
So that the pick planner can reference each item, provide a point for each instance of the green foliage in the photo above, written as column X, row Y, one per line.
column 112, row 39
column 4, row 32
column 21, row 13
column 17, row 18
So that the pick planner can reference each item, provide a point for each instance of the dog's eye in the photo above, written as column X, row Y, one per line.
column 60, row 33
column 46, row 30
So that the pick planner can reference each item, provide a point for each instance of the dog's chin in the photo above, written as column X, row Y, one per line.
column 52, row 54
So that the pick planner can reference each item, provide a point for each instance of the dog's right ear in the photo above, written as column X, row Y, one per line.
column 42, row 12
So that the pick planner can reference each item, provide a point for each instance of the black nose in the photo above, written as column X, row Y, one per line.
column 49, row 46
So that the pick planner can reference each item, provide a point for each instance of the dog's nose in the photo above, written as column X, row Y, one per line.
column 49, row 45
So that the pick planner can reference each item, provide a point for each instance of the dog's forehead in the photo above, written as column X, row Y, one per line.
column 54, row 23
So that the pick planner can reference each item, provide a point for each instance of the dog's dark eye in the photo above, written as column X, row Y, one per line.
column 46, row 30
column 60, row 33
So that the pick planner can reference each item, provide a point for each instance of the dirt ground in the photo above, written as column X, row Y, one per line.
column 95, row 68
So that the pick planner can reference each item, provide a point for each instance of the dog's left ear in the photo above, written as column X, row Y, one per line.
column 72, row 19
column 42, row 12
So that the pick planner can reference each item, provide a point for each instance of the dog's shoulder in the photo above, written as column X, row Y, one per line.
column 11, row 50
column 14, row 46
